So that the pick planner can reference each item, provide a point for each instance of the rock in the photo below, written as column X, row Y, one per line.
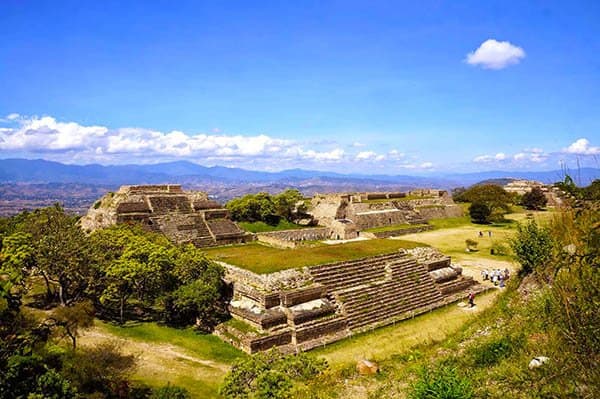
column 537, row 362
column 366, row 367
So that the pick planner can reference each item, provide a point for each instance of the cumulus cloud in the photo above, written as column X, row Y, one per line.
column 582, row 147
column 13, row 116
column 489, row 158
column 493, row 54
column 99, row 143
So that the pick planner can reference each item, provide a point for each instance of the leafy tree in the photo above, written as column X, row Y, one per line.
column 138, row 272
column 532, row 247
column 99, row 369
column 535, row 199
column 480, row 212
column 61, row 251
column 285, row 204
column 69, row 320
column 493, row 196
column 253, row 208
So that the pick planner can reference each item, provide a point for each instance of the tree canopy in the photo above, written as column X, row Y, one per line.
column 267, row 208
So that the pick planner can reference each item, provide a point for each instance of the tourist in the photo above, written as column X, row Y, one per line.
column 471, row 299
column 490, row 233
column 501, row 279
column 481, row 234
column 484, row 274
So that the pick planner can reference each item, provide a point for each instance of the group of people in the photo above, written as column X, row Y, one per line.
column 489, row 233
column 496, row 276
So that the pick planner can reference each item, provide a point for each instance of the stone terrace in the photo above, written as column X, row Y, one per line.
column 299, row 309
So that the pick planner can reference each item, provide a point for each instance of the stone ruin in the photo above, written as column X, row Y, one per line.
column 183, row 216
column 299, row 309
column 350, row 213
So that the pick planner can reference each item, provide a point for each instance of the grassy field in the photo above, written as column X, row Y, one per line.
column 261, row 227
column 394, row 339
column 449, row 235
column 167, row 355
column 264, row 259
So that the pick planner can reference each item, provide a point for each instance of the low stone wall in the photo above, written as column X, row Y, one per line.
column 290, row 238
column 400, row 232
column 440, row 211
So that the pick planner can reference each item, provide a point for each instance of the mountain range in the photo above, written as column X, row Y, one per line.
column 184, row 172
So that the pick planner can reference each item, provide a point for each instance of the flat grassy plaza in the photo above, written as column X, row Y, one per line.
column 262, row 259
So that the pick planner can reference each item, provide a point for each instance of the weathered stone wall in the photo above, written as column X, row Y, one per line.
column 291, row 238
column 441, row 211
column 401, row 232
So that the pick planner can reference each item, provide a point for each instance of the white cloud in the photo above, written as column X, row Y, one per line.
column 357, row 144
column 13, row 116
column 70, row 141
column 426, row 165
column 493, row 54
column 363, row 155
column 582, row 147
column 489, row 158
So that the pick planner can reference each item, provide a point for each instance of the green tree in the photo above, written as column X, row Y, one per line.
column 285, row 204
column 138, row 272
column 532, row 247
column 480, row 212
column 61, row 251
column 69, row 320
column 534, row 199
column 493, row 196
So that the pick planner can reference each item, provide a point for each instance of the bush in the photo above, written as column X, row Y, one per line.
column 441, row 383
column 480, row 213
column 493, row 351
column 269, row 375
column 534, row 200
column 532, row 247
column 471, row 244
column 499, row 248
column 170, row 392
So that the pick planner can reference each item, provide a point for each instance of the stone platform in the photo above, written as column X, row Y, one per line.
column 300, row 309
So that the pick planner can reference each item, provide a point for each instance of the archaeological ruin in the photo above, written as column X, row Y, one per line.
column 299, row 309
column 183, row 216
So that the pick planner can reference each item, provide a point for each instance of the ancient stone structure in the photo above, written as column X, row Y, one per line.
column 183, row 216
column 300, row 309
column 293, row 238
column 348, row 214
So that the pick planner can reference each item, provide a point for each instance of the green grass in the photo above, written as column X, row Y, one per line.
column 205, row 346
column 181, row 357
column 393, row 227
column 261, row 227
column 388, row 341
column 264, row 259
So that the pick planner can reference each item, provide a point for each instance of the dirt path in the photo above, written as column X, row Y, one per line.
column 159, row 364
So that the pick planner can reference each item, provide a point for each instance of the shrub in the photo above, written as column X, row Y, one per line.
column 499, row 248
column 442, row 382
column 471, row 244
column 480, row 212
column 493, row 351
column 534, row 200
column 532, row 247
column 170, row 392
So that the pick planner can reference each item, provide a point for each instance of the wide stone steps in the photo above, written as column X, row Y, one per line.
column 341, row 265
column 380, row 311
column 453, row 286
column 411, row 287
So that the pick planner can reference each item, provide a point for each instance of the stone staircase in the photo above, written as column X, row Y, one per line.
column 344, row 275
column 409, row 288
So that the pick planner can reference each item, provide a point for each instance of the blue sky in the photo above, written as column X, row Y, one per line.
column 371, row 86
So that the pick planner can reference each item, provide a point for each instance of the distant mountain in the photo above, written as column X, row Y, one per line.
column 184, row 172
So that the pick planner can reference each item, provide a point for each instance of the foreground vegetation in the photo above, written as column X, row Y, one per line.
column 265, row 259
